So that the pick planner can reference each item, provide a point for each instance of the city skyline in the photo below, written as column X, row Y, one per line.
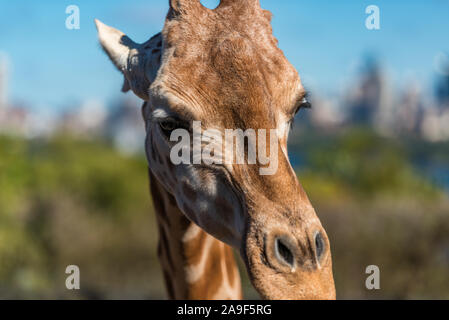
column 73, row 68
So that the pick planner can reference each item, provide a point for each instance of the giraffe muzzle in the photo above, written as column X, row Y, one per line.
column 290, row 262
column 286, row 252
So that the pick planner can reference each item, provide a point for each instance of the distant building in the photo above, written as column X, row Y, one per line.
column 410, row 110
column 87, row 120
column 435, row 120
column 442, row 89
column 370, row 100
column 364, row 99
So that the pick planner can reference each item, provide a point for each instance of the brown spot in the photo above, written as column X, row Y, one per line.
column 211, row 280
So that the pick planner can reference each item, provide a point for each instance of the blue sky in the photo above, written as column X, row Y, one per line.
column 52, row 67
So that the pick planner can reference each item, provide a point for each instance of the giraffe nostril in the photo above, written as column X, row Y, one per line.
column 284, row 253
column 319, row 245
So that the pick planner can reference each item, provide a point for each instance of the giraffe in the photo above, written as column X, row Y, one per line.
column 223, row 67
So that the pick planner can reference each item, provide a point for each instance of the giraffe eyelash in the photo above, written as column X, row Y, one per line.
column 303, row 103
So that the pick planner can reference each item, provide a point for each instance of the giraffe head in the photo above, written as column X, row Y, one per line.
column 223, row 67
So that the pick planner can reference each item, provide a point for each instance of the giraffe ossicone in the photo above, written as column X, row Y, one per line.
column 223, row 68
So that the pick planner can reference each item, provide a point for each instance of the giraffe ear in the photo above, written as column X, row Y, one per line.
column 115, row 44
column 138, row 62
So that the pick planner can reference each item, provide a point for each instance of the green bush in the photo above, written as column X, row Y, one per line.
column 69, row 201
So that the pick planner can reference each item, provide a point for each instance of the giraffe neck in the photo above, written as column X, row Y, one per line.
column 195, row 265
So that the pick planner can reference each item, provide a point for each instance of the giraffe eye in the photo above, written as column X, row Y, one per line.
column 168, row 126
column 303, row 104
column 306, row 104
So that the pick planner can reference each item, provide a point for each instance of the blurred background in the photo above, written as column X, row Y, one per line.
column 372, row 154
